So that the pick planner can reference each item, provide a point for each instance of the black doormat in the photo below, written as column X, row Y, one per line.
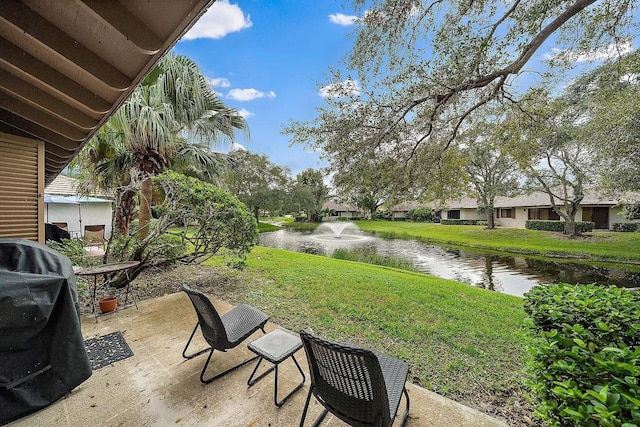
column 107, row 349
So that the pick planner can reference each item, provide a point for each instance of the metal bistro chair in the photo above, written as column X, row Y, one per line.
column 222, row 333
column 359, row 386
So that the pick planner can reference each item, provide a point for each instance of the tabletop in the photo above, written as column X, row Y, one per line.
column 107, row 268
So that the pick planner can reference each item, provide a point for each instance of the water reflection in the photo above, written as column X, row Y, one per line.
column 513, row 275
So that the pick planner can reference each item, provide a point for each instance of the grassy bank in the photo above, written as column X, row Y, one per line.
column 462, row 342
column 596, row 246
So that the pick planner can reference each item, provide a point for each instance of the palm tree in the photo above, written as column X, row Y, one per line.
column 172, row 102
column 105, row 164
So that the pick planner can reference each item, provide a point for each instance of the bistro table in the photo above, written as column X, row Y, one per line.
column 104, row 270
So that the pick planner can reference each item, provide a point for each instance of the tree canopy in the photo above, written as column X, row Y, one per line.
column 420, row 70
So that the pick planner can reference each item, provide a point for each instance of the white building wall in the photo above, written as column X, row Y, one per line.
column 616, row 214
column 77, row 216
column 471, row 214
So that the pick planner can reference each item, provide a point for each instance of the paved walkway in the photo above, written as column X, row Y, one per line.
column 157, row 387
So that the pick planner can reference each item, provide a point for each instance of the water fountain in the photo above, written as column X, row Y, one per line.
column 341, row 230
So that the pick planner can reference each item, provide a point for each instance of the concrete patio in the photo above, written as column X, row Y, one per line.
column 157, row 387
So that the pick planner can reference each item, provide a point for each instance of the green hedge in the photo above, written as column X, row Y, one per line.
column 626, row 226
column 546, row 225
column 584, row 342
column 459, row 222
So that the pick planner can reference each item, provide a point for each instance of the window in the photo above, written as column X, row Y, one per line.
column 507, row 213
column 454, row 214
column 544, row 214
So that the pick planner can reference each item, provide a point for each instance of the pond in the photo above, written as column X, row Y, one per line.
column 509, row 274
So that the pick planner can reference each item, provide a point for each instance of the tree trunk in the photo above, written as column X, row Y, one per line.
column 144, row 216
column 256, row 213
column 491, row 224
column 570, row 220
column 125, row 210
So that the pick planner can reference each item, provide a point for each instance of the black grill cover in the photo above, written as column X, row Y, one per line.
column 42, row 353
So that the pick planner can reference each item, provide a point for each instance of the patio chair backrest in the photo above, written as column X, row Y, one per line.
column 348, row 381
column 210, row 322
column 94, row 234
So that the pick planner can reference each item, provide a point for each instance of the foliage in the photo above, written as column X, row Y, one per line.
column 421, row 69
column 174, row 99
column 257, row 182
column 459, row 222
column 167, row 248
column 72, row 249
column 370, row 256
column 420, row 214
column 626, row 226
column 548, row 225
column 302, row 226
column 313, row 191
column 609, row 97
column 487, row 166
column 585, row 354
column 364, row 185
column 546, row 140
column 632, row 211
column 207, row 218
column 381, row 215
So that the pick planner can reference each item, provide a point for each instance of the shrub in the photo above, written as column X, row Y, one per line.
column 584, row 343
column 626, row 226
column 420, row 214
column 459, row 222
column 550, row 225
column 381, row 215
column 72, row 249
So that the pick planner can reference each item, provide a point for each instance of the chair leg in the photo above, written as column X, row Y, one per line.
column 296, row 388
column 306, row 406
column 406, row 412
column 320, row 418
column 221, row 374
column 198, row 353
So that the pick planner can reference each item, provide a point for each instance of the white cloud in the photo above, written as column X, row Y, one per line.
column 602, row 54
column 218, row 82
column 344, row 20
column 236, row 147
column 248, row 94
column 221, row 19
column 340, row 89
column 633, row 78
column 245, row 113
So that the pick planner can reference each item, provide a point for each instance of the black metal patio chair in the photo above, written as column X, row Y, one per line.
column 359, row 386
column 222, row 332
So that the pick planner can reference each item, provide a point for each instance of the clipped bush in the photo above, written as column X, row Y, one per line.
column 551, row 225
column 626, row 226
column 459, row 222
column 584, row 345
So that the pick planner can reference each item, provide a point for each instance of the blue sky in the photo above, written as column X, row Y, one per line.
column 267, row 60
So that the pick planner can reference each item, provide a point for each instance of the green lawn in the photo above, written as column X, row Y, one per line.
column 462, row 342
column 596, row 246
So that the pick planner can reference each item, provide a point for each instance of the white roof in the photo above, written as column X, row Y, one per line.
column 73, row 199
